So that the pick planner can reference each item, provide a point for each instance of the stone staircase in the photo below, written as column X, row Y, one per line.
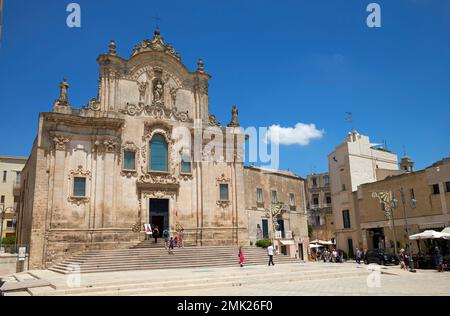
column 208, row 280
column 147, row 255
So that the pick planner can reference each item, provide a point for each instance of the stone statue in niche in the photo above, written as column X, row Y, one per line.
column 142, row 86
column 158, row 91
column 173, row 95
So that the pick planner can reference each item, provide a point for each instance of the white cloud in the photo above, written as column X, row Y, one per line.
column 301, row 134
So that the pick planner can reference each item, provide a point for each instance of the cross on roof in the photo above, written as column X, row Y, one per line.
column 157, row 19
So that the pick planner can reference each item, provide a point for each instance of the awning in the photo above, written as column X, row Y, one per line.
column 287, row 242
column 432, row 225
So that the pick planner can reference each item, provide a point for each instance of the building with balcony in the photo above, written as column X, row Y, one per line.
column 10, row 177
column 276, row 209
column 318, row 204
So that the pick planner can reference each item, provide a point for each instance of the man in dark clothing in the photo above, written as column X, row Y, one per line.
column 156, row 234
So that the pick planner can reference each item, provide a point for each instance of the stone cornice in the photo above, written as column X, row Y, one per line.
column 92, row 122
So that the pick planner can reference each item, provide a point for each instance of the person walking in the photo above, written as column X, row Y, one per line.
column 358, row 255
column 241, row 257
column 166, row 236
column 403, row 260
column 438, row 259
column 171, row 245
column 180, row 238
column 156, row 234
column 270, row 253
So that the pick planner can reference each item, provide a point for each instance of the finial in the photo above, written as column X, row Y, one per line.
column 234, row 117
column 112, row 48
column 200, row 65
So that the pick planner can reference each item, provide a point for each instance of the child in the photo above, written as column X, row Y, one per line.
column 171, row 245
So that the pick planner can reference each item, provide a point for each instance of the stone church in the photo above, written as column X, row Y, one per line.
column 97, row 174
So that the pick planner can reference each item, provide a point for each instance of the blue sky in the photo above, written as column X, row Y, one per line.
column 281, row 62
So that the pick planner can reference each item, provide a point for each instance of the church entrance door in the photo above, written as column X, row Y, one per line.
column 159, row 214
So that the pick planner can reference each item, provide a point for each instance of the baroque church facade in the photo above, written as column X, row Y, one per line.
column 97, row 174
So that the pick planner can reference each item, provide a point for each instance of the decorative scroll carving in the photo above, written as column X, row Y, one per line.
column 110, row 145
column 185, row 176
column 158, row 194
column 136, row 228
column 93, row 105
column 156, row 110
column 223, row 204
column 78, row 200
column 158, row 179
column 60, row 142
column 222, row 179
column 80, row 172
column 155, row 45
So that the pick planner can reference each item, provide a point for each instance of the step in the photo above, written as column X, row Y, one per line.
column 153, row 287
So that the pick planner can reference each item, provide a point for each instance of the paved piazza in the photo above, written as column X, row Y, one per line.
column 314, row 279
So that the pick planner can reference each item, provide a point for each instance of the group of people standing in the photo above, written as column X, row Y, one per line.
column 336, row 256
column 170, row 242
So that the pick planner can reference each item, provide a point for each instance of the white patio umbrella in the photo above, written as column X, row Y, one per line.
column 428, row 234
column 315, row 246
column 446, row 233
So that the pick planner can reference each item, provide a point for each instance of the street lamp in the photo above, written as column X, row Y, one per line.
column 386, row 199
column 412, row 203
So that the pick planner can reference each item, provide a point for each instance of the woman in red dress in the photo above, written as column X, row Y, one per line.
column 241, row 257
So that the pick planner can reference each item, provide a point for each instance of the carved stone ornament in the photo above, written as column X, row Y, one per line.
column 155, row 45
column 93, row 105
column 128, row 173
column 80, row 172
column 110, row 145
column 78, row 200
column 158, row 179
column 159, row 194
column 223, row 204
column 156, row 110
column 179, row 227
column 185, row 176
column 136, row 228
column 60, row 142
column 223, row 179
column 213, row 121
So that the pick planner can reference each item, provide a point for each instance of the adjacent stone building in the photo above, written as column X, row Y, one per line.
column 427, row 201
column 140, row 152
column 10, row 173
column 320, row 214
column 275, row 205
column 356, row 161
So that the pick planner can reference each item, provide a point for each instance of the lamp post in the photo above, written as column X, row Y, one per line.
column 412, row 202
column 385, row 198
